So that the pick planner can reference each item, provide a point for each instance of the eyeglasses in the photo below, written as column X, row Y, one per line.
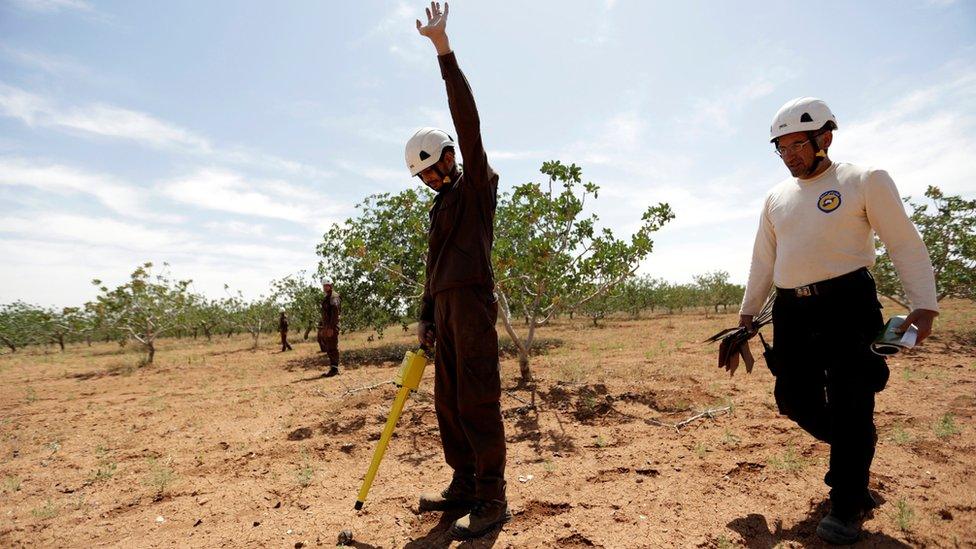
column 795, row 148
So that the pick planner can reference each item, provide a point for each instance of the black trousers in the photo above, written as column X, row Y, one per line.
column 827, row 376
column 467, row 390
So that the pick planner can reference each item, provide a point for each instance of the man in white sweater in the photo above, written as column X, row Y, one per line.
column 815, row 244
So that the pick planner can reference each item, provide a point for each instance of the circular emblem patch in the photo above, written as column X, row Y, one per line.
column 829, row 201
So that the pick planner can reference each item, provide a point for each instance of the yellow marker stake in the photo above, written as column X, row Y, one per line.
column 411, row 370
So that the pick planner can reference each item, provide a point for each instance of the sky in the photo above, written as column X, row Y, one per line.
column 225, row 137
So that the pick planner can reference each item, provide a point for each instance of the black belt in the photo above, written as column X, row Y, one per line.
column 842, row 283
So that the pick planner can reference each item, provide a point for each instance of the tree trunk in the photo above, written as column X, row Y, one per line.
column 308, row 330
column 206, row 332
column 8, row 343
column 523, row 352
column 61, row 341
column 150, row 351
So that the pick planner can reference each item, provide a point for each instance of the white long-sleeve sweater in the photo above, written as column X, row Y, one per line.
column 815, row 229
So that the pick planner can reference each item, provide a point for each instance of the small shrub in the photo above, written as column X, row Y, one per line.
column 946, row 427
column 701, row 449
column 46, row 511
column 900, row 436
column 730, row 438
column 789, row 461
column 160, row 477
column 104, row 471
column 305, row 472
column 904, row 516
column 11, row 484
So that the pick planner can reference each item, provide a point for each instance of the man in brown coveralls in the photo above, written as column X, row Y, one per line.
column 283, row 330
column 459, row 304
column 328, row 335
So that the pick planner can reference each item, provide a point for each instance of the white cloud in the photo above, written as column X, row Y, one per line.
column 133, row 125
column 515, row 155
column 397, row 29
column 53, row 6
column 717, row 113
column 223, row 190
column 95, row 231
column 50, row 64
column 926, row 137
column 116, row 195
column 238, row 228
column 120, row 123
column 43, row 270
column 226, row 191
column 621, row 143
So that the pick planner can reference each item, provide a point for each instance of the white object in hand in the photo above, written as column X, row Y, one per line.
column 890, row 343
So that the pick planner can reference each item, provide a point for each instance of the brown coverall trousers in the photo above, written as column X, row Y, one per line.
column 329, row 345
column 467, row 389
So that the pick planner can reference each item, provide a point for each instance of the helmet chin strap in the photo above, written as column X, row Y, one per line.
column 446, row 178
column 819, row 154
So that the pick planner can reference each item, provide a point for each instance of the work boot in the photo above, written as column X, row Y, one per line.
column 839, row 530
column 333, row 371
column 452, row 498
column 486, row 515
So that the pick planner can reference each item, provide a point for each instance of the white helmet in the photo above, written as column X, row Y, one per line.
column 425, row 147
column 803, row 114
column 328, row 281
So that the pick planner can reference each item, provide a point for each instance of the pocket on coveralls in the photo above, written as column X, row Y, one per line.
column 483, row 383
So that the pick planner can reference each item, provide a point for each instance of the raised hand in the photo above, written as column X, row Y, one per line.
column 436, row 27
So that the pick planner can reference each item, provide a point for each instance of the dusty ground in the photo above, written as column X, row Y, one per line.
column 219, row 445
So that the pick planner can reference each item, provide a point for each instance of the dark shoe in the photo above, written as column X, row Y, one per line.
column 839, row 531
column 451, row 498
column 333, row 371
column 870, row 503
column 485, row 516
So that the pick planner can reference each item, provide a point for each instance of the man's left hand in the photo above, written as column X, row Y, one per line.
column 923, row 320
column 436, row 27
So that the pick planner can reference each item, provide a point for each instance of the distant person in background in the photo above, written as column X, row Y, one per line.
column 283, row 330
column 815, row 244
column 328, row 335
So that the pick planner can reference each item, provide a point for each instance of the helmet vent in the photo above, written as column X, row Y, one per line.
column 424, row 155
column 806, row 117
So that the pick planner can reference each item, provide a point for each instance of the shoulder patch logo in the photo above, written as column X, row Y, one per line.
column 829, row 201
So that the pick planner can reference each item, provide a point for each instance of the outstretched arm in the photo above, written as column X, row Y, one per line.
column 464, row 112
column 436, row 27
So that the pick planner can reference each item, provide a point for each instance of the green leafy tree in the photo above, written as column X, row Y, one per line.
column 714, row 290
column 20, row 324
column 66, row 324
column 301, row 296
column 146, row 307
column 377, row 259
column 675, row 297
column 255, row 317
column 549, row 257
column 948, row 227
column 206, row 315
column 634, row 295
